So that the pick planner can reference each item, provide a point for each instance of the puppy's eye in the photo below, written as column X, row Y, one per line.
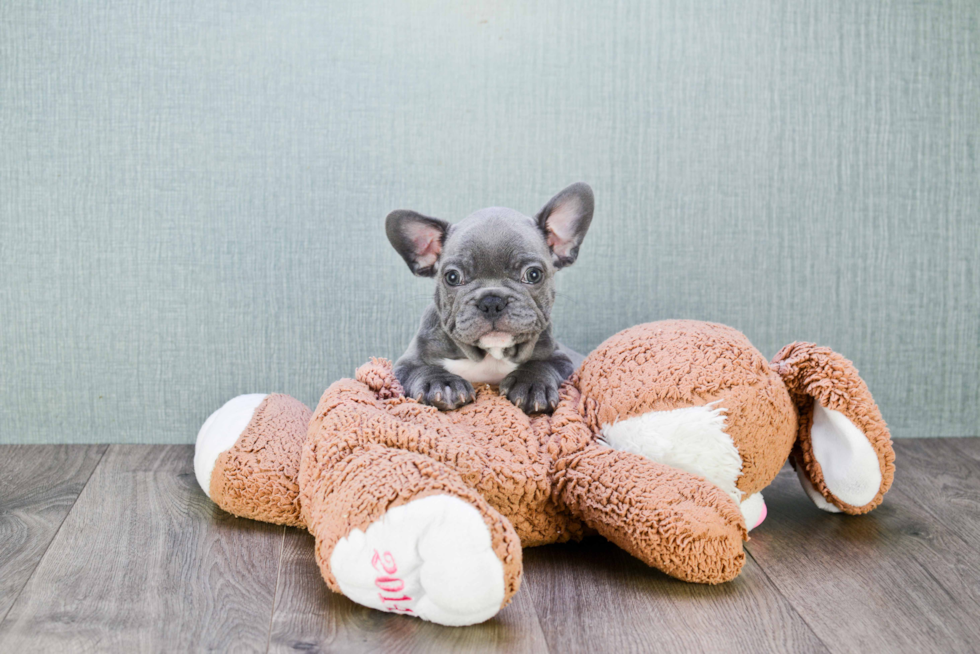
column 532, row 275
column 453, row 278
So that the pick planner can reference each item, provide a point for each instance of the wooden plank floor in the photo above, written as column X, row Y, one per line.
column 114, row 548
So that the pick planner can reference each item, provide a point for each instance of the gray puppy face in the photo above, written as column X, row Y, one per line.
column 495, row 278
column 495, row 268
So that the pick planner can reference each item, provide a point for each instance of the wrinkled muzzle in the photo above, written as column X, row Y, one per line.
column 495, row 310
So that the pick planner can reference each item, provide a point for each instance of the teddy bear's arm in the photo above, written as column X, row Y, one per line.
column 667, row 518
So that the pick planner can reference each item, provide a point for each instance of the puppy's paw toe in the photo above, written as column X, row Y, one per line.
column 532, row 396
column 447, row 393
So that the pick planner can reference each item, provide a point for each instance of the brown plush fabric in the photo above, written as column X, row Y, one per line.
column 491, row 444
column 544, row 475
column 814, row 373
column 547, row 479
column 257, row 478
column 665, row 517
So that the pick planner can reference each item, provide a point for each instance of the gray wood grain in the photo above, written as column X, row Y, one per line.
column 942, row 476
column 38, row 486
column 592, row 596
column 145, row 562
column 311, row 618
column 895, row 580
column 968, row 446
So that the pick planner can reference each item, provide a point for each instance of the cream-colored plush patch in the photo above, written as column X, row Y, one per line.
column 692, row 439
column 219, row 432
column 432, row 558
column 848, row 461
column 491, row 370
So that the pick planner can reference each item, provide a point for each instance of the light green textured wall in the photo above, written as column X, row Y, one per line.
column 192, row 197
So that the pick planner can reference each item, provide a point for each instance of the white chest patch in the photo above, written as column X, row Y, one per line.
column 692, row 439
column 490, row 370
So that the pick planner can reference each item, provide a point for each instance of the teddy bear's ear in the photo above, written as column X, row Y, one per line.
column 843, row 453
column 417, row 238
column 565, row 220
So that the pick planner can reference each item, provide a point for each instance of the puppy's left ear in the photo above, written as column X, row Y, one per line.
column 565, row 220
column 417, row 238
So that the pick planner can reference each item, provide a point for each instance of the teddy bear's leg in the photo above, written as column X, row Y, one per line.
column 400, row 532
column 668, row 518
column 843, row 452
column 248, row 454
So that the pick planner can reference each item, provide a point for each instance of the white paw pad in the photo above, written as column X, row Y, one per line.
column 431, row 558
column 220, row 432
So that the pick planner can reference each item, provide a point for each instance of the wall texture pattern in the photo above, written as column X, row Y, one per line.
column 192, row 195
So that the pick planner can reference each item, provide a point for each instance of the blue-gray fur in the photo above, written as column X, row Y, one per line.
column 492, row 253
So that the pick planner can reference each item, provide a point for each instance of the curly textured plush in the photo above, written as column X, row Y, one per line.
column 662, row 442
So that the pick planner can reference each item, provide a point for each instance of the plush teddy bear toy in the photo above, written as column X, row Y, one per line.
column 662, row 442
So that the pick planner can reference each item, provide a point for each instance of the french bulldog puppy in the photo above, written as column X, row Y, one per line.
column 490, row 321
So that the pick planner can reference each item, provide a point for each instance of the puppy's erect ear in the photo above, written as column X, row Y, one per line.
column 565, row 220
column 417, row 238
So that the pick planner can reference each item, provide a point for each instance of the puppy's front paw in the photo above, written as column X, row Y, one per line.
column 532, row 392
column 444, row 391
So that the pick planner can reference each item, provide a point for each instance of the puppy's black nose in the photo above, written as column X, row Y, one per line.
column 491, row 305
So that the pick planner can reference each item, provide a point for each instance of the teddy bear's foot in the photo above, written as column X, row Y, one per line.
column 432, row 558
column 248, row 454
column 401, row 532
column 220, row 432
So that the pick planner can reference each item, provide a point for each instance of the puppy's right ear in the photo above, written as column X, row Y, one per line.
column 565, row 220
column 417, row 238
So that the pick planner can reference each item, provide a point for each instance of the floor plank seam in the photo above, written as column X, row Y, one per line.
column 54, row 537
column 275, row 591
column 789, row 603
column 537, row 619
